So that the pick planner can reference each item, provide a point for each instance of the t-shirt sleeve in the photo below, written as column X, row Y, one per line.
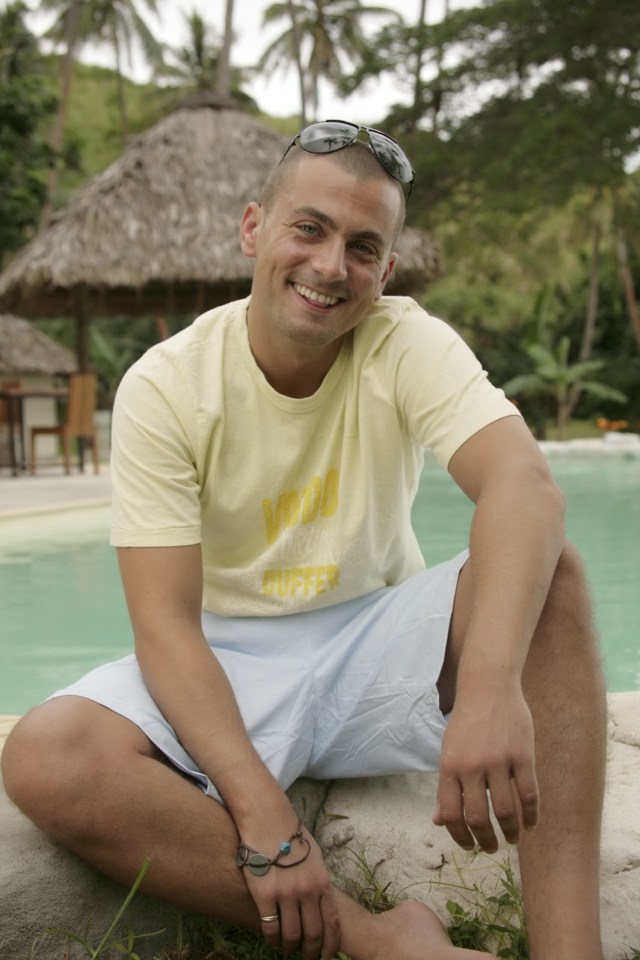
column 442, row 390
column 156, row 489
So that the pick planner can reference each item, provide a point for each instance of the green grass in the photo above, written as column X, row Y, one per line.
column 488, row 920
column 575, row 430
column 479, row 919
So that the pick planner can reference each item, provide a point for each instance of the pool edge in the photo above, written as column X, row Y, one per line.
column 18, row 513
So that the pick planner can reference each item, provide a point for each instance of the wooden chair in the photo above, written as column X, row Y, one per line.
column 5, row 419
column 78, row 422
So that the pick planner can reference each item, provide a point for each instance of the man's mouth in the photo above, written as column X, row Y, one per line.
column 320, row 298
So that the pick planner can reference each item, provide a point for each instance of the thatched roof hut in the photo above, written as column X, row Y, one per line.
column 157, row 232
column 26, row 350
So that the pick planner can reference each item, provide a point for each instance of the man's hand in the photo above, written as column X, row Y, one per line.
column 488, row 762
column 304, row 900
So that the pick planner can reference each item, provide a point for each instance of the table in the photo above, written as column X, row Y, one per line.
column 15, row 397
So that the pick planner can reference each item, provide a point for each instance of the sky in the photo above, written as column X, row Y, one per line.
column 279, row 95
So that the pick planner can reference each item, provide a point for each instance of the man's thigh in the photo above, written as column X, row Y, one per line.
column 379, row 706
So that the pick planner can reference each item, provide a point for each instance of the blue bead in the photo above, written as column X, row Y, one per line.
column 285, row 847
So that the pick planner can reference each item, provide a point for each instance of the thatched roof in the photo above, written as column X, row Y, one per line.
column 158, row 230
column 24, row 349
column 419, row 260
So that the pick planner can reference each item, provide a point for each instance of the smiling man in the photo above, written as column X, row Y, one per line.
column 265, row 461
column 320, row 265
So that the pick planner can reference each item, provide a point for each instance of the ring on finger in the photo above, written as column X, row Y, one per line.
column 274, row 919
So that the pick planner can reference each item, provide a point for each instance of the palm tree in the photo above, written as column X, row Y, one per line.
column 223, row 73
column 68, row 30
column 118, row 23
column 196, row 63
column 79, row 22
column 297, row 55
column 561, row 380
column 330, row 29
column 196, row 67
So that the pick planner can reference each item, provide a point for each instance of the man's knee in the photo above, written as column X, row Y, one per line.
column 60, row 753
column 41, row 760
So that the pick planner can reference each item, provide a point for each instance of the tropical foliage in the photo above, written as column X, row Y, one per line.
column 25, row 105
column 523, row 123
column 116, row 23
column 555, row 376
column 329, row 32
column 197, row 67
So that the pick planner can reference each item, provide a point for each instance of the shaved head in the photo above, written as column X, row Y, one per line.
column 357, row 158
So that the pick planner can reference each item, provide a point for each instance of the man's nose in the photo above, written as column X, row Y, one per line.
column 330, row 260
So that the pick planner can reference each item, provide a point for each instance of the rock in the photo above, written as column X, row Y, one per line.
column 381, row 825
column 43, row 886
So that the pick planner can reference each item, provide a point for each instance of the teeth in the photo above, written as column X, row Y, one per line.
column 316, row 297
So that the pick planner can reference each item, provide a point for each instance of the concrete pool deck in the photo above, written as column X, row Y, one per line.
column 51, row 489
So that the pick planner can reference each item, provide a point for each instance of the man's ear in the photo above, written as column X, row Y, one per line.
column 249, row 229
column 393, row 259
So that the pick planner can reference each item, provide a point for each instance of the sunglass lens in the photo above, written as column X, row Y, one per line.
column 327, row 137
column 391, row 156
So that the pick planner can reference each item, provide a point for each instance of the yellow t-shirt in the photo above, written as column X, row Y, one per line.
column 297, row 503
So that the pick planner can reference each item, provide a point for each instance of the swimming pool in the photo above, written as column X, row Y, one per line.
column 62, row 610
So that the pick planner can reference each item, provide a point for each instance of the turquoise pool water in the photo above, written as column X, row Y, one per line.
column 62, row 610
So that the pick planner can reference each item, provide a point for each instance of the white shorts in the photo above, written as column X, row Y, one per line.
column 345, row 691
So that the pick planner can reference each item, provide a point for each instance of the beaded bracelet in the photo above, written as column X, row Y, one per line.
column 259, row 863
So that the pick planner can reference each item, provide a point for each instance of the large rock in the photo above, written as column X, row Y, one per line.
column 384, row 822
column 389, row 821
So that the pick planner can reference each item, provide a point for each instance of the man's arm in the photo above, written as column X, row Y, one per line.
column 163, row 587
column 517, row 535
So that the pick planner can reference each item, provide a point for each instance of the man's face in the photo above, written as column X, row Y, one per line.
column 323, row 255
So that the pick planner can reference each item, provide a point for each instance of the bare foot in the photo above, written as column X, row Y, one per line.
column 412, row 931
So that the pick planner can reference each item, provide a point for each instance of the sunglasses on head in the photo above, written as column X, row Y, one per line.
column 331, row 135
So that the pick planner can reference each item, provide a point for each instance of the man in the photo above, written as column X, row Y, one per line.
column 264, row 465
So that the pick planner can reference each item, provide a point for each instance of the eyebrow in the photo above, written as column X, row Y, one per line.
column 372, row 235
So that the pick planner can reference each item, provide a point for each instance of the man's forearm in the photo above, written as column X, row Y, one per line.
column 517, row 535
column 193, row 692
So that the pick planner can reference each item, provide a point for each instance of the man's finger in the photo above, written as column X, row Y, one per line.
column 290, row 926
column 450, row 812
column 505, row 805
column 312, row 930
column 476, row 811
column 526, row 785
column 330, row 926
column 270, row 924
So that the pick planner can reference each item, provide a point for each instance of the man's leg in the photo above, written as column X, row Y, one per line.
column 564, row 687
column 94, row 782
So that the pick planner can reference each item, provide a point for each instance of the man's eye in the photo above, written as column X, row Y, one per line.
column 308, row 228
column 366, row 249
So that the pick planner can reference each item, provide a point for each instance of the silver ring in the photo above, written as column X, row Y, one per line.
column 273, row 919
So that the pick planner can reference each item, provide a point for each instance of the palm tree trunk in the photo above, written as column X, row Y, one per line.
column 223, row 71
column 629, row 289
column 314, row 66
column 298, row 58
column 589, row 330
column 437, row 86
column 563, row 417
column 417, row 80
column 122, row 100
column 57, row 134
